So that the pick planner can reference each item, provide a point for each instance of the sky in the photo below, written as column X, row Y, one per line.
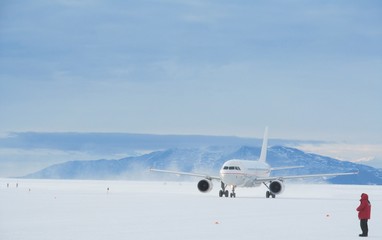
column 306, row 69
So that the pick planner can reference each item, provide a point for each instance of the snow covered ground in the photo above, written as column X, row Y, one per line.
column 86, row 210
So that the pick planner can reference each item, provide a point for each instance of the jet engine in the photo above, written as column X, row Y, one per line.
column 205, row 185
column 276, row 187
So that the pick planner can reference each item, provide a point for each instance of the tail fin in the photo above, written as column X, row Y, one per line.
column 263, row 154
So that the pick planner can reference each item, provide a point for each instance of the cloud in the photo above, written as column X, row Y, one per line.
column 343, row 151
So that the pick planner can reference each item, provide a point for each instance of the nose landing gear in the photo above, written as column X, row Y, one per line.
column 233, row 194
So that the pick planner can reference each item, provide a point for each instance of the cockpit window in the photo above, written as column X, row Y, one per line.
column 231, row 168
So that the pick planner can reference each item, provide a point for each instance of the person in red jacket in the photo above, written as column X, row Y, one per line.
column 364, row 210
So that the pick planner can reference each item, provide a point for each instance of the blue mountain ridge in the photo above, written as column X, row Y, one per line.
column 209, row 160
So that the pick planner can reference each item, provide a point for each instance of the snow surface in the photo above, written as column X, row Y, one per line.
column 86, row 210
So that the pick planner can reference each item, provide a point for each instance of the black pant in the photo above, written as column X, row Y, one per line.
column 364, row 227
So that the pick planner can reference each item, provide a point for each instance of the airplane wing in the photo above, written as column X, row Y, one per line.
column 187, row 174
column 268, row 179
column 282, row 168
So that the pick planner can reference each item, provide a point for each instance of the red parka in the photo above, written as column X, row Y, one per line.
column 364, row 207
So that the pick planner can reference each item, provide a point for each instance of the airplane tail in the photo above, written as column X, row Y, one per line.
column 263, row 154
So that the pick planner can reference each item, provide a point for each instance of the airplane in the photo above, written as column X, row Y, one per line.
column 248, row 173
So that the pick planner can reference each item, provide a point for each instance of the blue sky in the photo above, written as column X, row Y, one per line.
column 307, row 69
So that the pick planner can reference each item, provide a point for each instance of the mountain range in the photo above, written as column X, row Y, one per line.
column 209, row 160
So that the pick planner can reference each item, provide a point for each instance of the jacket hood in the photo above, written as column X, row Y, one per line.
column 364, row 196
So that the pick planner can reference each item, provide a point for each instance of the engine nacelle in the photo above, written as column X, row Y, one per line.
column 205, row 185
column 276, row 187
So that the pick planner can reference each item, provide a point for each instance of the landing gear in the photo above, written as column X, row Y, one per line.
column 233, row 194
column 269, row 194
column 223, row 191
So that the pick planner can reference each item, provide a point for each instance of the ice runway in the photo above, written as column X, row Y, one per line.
column 87, row 210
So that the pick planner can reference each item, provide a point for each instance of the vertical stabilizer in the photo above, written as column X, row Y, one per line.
column 263, row 154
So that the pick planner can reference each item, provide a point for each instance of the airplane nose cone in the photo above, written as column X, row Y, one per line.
column 231, row 178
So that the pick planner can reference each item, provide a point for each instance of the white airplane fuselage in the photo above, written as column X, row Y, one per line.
column 243, row 173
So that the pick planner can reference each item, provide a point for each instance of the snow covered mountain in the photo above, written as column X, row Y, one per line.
column 208, row 160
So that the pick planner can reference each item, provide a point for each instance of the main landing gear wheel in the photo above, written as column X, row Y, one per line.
column 269, row 194
column 223, row 191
